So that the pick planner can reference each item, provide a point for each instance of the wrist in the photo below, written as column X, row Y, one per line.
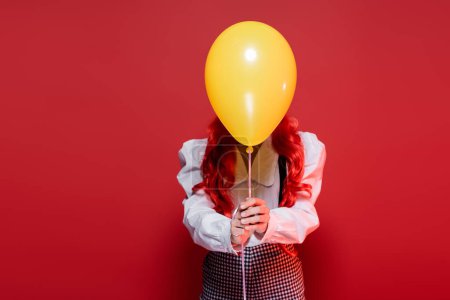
column 260, row 234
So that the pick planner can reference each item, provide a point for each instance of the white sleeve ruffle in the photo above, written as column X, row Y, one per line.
column 292, row 224
column 209, row 229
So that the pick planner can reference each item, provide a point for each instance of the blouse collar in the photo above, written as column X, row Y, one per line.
column 263, row 166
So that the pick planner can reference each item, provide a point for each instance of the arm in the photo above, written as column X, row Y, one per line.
column 292, row 224
column 207, row 228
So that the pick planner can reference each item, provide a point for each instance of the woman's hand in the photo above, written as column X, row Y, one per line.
column 238, row 233
column 255, row 215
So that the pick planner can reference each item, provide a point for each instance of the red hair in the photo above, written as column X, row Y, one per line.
column 220, row 158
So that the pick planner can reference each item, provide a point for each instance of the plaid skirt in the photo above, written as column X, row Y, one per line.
column 270, row 273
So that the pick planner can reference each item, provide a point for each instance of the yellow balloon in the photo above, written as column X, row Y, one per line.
column 250, row 78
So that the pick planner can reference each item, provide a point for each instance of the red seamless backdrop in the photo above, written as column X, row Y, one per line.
column 96, row 98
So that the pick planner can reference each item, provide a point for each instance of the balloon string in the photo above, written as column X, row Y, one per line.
column 250, row 173
column 249, row 151
column 243, row 270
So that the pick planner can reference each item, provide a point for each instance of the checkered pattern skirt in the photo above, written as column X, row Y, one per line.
column 270, row 274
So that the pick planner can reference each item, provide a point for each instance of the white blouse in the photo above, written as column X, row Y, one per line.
column 287, row 225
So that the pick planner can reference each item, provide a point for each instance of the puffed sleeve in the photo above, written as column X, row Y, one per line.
column 292, row 224
column 209, row 229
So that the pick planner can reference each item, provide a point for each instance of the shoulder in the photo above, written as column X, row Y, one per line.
column 190, row 156
column 192, row 151
column 314, row 148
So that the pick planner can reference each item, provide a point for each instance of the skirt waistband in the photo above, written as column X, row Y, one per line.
column 289, row 249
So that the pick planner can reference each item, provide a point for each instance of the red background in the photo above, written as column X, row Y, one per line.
column 98, row 96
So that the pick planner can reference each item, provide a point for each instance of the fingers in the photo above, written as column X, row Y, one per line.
column 255, row 219
column 237, row 231
column 252, row 202
column 255, row 210
column 236, row 223
column 238, row 215
column 238, row 228
column 239, row 235
column 255, row 216
column 260, row 227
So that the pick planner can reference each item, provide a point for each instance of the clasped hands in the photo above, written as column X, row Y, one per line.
column 252, row 217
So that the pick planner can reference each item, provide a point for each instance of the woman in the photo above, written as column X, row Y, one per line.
column 286, row 181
